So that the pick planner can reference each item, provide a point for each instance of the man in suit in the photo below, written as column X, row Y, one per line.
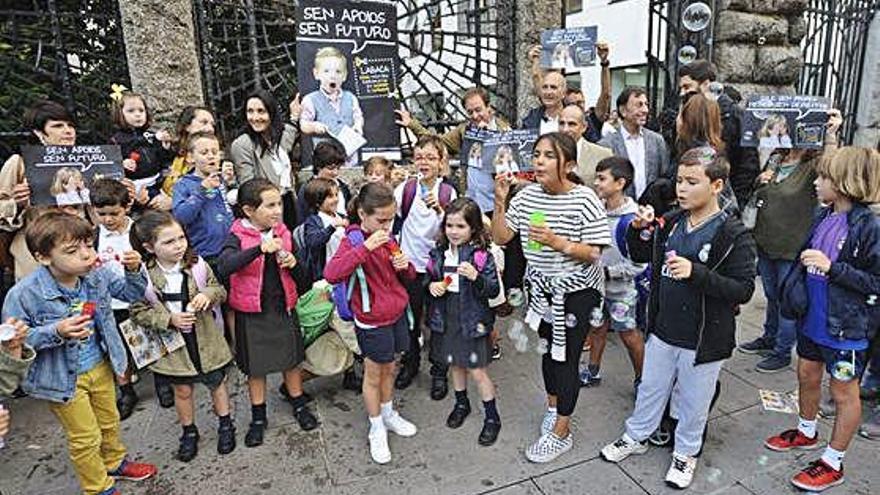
column 644, row 148
column 572, row 121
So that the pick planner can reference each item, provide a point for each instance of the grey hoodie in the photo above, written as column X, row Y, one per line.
column 620, row 271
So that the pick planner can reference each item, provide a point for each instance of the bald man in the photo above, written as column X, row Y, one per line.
column 545, row 118
column 572, row 121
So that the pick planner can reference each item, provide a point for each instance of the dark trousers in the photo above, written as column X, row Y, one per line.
column 514, row 264
column 561, row 378
column 418, row 297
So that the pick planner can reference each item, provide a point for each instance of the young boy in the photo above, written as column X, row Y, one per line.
column 330, row 109
column 613, row 176
column 111, row 203
column 66, row 302
column 199, row 199
column 329, row 156
column 420, row 204
column 703, row 265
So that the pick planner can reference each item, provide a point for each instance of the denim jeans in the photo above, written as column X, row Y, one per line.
column 777, row 329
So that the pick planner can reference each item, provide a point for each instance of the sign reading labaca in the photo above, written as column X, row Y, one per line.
column 785, row 121
column 61, row 175
column 570, row 49
column 348, row 72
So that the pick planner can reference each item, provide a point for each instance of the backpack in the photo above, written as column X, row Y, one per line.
column 642, row 280
column 298, row 237
column 444, row 197
column 342, row 291
column 480, row 258
column 200, row 274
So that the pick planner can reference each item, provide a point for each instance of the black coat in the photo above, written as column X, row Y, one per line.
column 726, row 280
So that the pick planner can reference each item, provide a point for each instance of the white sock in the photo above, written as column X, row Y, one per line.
column 551, row 410
column 387, row 408
column 376, row 423
column 833, row 458
column 807, row 427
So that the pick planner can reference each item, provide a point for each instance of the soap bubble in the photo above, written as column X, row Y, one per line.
column 541, row 347
column 522, row 344
column 687, row 54
column 696, row 17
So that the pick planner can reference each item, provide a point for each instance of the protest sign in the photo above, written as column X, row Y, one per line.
column 499, row 152
column 60, row 175
column 569, row 49
column 348, row 70
column 784, row 121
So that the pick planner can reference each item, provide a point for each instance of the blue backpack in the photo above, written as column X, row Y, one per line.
column 642, row 280
column 342, row 291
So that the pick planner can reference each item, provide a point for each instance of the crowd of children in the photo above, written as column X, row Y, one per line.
column 213, row 256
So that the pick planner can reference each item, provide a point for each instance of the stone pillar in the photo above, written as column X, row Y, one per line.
column 868, row 116
column 163, row 59
column 757, row 44
column 532, row 17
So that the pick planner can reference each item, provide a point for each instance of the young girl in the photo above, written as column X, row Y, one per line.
column 257, row 259
column 379, row 303
column 562, row 228
column 192, row 119
column 378, row 169
column 145, row 153
column 69, row 188
column 183, row 296
column 463, row 279
column 832, row 292
column 321, row 195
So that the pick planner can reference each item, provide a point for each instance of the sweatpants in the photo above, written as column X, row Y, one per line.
column 561, row 378
column 664, row 364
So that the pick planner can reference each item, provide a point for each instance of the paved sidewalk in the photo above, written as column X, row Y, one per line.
column 334, row 459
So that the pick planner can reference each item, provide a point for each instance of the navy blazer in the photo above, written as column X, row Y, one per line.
column 476, row 318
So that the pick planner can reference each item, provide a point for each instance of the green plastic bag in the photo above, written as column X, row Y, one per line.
column 314, row 310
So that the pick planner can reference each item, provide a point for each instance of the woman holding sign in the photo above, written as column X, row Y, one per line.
column 562, row 227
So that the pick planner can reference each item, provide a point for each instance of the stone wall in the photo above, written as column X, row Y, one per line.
column 757, row 44
column 162, row 55
column 868, row 117
column 532, row 17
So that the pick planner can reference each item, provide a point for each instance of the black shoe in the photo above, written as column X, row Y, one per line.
column 404, row 378
column 351, row 381
column 125, row 404
column 282, row 389
column 458, row 414
column 165, row 394
column 307, row 421
column 496, row 352
column 756, row 346
column 254, row 436
column 489, row 433
column 439, row 387
column 225, row 439
column 189, row 446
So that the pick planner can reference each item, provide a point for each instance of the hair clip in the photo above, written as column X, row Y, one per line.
column 117, row 91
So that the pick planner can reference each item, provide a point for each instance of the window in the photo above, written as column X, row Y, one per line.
column 574, row 6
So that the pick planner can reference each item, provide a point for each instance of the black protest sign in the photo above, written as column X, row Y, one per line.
column 499, row 152
column 61, row 175
column 570, row 49
column 348, row 69
column 784, row 121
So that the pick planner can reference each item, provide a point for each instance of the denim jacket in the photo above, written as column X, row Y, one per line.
column 475, row 317
column 37, row 301
column 853, row 280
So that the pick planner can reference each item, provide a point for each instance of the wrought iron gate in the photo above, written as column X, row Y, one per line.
column 65, row 50
column 446, row 46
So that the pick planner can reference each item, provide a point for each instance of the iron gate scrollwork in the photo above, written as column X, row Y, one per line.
column 446, row 46
column 65, row 50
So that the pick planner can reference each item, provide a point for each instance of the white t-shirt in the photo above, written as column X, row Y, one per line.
column 173, row 285
column 421, row 226
column 548, row 124
column 110, row 247
column 450, row 268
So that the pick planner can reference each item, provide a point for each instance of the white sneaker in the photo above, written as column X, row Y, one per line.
column 623, row 448
column 548, row 447
column 681, row 471
column 396, row 424
column 379, row 450
column 548, row 422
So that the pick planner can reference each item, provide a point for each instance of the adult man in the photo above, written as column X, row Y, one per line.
column 478, row 184
column 572, row 121
column 551, row 92
column 744, row 168
column 643, row 147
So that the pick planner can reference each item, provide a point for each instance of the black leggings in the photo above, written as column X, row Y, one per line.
column 561, row 378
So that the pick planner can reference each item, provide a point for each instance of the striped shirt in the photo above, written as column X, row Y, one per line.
column 576, row 215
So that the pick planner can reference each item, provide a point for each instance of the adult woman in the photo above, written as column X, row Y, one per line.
column 785, row 198
column 263, row 149
column 562, row 227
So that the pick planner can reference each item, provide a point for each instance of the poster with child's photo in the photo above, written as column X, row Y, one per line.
column 61, row 175
column 771, row 122
column 499, row 152
column 347, row 69
column 569, row 49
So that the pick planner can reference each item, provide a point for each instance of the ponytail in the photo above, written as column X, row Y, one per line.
column 370, row 198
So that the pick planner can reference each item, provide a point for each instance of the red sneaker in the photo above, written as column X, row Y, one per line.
column 791, row 439
column 817, row 477
column 134, row 471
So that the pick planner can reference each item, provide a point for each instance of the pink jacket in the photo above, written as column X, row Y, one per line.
column 245, row 285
